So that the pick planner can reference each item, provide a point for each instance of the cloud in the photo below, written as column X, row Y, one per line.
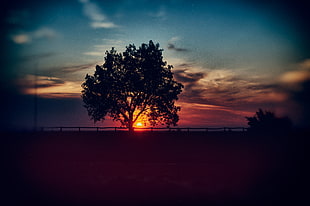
column 48, row 87
column 94, row 53
column 299, row 75
column 302, row 100
column 185, row 76
column 31, row 81
column 95, row 15
column 261, row 87
column 172, row 44
column 186, row 65
column 296, row 85
column 216, row 97
column 225, row 88
column 106, row 25
column 174, row 39
column 100, row 49
column 76, row 68
column 92, row 11
column 161, row 13
column 228, row 91
column 70, row 73
column 173, row 47
column 44, row 33
column 28, row 37
column 21, row 38
column 206, row 115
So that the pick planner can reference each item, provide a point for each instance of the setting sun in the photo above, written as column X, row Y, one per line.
column 139, row 124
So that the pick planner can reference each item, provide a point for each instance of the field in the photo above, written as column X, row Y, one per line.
column 154, row 168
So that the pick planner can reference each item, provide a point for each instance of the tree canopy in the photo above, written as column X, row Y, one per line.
column 133, row 86
column 266, row 121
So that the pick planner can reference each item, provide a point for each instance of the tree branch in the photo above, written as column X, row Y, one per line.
column 142, row 110
column 124, row 115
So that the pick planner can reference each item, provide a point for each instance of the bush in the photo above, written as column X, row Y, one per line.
column 266, row 121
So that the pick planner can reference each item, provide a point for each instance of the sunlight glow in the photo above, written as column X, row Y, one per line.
column 139, row 124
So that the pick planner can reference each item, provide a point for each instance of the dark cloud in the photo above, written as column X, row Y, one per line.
column 231, row 91
column 301, row 99
column 76, row 68
column 193, row 91
column 171, row 46
column 246, row 94
column 212, row 96
column 185, row 65
column 32, row 81
column 191, row 95
column 262, row 86
column 188, row 77
column 66, row 71
column 51, row 83
column 61, row 95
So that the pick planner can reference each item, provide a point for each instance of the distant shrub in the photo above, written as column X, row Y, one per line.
column 266, row 121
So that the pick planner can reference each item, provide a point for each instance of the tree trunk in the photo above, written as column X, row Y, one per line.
column 130, row 127
column 130, row 123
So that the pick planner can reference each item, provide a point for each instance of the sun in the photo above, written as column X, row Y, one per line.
column 139, row 124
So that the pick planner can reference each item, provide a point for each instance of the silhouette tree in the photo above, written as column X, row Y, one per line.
column 133, row 85
column 266, row 121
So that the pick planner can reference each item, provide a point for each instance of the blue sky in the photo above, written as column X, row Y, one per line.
column 232, row 56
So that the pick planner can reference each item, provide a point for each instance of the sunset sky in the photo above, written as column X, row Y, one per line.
column 232, row 56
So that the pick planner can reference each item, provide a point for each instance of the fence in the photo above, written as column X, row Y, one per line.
column 176, row 129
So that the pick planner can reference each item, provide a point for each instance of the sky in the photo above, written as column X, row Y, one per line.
column 233, row 57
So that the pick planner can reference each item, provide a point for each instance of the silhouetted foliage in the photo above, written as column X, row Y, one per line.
column 132, row 85
column 266, row 121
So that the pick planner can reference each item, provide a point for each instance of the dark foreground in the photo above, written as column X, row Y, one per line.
column 159, row 168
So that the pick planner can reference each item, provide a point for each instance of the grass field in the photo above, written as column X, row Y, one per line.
column 154, row 168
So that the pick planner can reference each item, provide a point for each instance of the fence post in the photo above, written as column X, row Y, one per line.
column 60, row 129
column 97, row 129
column 114, row 129
column 79, row 129
column 187, row 129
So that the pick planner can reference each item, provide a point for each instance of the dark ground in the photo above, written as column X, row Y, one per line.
column 154, row 168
